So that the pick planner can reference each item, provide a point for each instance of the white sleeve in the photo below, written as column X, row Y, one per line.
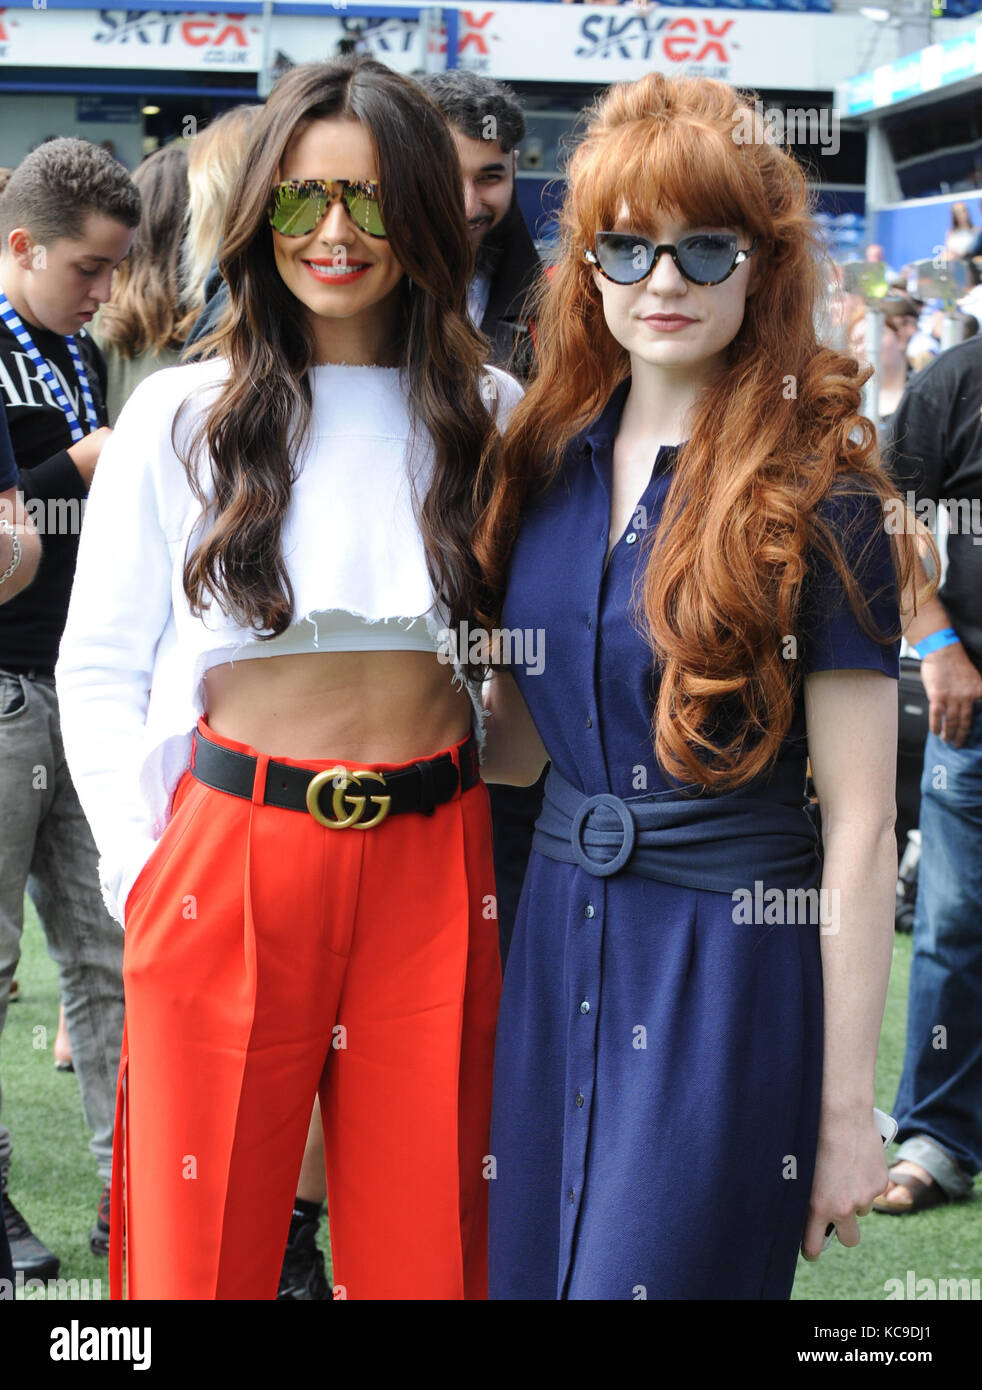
column 120, row 605
column 507, row 393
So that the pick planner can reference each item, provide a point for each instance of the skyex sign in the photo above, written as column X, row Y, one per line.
column 529, row 41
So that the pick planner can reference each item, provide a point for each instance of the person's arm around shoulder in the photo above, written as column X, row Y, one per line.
column 20, row 546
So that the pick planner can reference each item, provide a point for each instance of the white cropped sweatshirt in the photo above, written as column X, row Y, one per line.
column 130, row 671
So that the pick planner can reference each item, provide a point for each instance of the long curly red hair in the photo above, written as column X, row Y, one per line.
column 775, row 433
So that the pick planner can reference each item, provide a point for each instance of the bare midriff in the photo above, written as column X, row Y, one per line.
column 369, row 707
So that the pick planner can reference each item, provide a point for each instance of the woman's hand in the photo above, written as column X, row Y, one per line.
column 850, row 1173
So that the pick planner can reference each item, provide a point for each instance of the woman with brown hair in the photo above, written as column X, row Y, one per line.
column 142, row 329
column 691, row 511
column 299, row 846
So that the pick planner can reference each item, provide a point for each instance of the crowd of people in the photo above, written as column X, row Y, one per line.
column 324, row 405
column 914, row 329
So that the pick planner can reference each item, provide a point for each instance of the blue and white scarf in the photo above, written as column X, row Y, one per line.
column 16, row 326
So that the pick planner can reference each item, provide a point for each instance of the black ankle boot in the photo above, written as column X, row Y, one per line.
column 303, row 1278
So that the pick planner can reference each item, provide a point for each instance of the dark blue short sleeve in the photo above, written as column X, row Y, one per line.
column 831, row 637
column 8, row 468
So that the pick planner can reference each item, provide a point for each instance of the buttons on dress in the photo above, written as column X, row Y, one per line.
column 631, row 537
column 585, row 1007
column 589, row 722
column 589, row 910
column 580, row 1099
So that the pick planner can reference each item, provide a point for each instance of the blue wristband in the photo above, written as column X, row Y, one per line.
column 933, row 643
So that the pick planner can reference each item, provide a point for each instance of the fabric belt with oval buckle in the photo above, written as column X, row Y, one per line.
column 718, row 843
column 360, row 798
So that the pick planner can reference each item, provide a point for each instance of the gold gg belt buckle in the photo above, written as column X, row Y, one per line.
column 342, row 778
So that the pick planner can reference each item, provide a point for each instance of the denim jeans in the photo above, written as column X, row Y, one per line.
column 44, row 835
column 939, row 1100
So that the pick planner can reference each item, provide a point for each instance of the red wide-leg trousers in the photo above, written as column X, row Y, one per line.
column 268, row 958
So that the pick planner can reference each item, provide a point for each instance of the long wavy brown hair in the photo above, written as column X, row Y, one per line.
column 773, row 436
column 146, row 311
column 257, row 426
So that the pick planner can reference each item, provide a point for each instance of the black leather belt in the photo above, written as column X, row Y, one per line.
column 355, row 798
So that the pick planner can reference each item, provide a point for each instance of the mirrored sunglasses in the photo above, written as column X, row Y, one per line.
column 297, row 206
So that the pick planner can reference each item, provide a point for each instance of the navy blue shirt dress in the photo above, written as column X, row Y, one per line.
column 658, row 1063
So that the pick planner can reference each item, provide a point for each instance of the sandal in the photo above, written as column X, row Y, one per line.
column 924, row 1195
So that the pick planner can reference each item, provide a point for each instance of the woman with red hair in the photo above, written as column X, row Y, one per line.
column 691, row 513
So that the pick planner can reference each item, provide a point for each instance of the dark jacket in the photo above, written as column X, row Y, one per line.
column 508, row 251
column 933, row 449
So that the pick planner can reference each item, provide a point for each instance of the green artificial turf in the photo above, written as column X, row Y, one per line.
column 53, row 1178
